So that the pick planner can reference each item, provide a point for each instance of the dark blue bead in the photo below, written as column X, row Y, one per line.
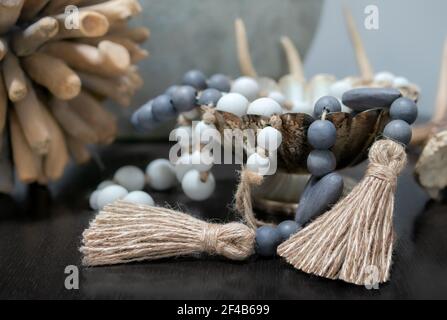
column 398, row 130
column 322, row 134
column 209, row 97
column 184, row 98
column 144, row 118
column 170, row 91
column 318, row 197
column 288, row 228
column 196, row 79
column 404, row 109
column 328, row 103
column 220, row 82
column 162, row 108
column 361, row 99
column 321, row 162
column 267, row 240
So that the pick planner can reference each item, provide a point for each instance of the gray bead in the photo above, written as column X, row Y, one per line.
column 267, row 240
column 196, row 79
column 170, row 91
column 209, row 97
column 398, row 130
column 144, row 117
column 322, row 134
column 184, row 98
column 404, row 109
column 362, row 99
column 288, row 228
column 318, row 197
column 329, row 103
column 321, row 162
column 162, row 108
column 220, row 82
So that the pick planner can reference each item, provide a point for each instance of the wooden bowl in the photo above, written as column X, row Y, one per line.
column 355, row 134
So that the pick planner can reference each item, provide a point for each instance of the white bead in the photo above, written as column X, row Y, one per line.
column 105, row 184
column 384, row 76
column 206, row 133
column 267, row 85
column 269, row 138
column 161, row 174
column 130, row 177
column 338, row 88
column 183, row 165
column 264, row 107
column 400, row 82
column 257, row 163
column 93, row 201
column 202, row 161
column 233, row 103
column 246, row 86
column 139, row 197
column 302, row 106
column 110, row 194
column 278, row 97
column 195, row 188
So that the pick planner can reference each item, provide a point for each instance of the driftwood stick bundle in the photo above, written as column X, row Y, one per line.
column 108, row 59
column 30, row 39
column 45, row 49
column 91, row 24
column 30, row 115
column 62, row 81
column 9, row 13
column 125, row 232
column 15, row 79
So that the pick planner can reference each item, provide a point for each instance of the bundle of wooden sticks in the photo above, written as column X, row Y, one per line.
column 59, row 60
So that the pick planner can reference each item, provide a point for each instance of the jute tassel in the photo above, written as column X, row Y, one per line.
column 125, row 232
column 354, row 241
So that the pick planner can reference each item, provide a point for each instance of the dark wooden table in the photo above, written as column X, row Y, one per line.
column 40, row 232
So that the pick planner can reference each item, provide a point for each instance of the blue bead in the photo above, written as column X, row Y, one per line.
column 209, row 97
column 145, row 119
column 318, row 197
column 267, row 240
column 220, row 82
column 162, row 108
column 288, row 228
column 361, row 99
column 196, row 79
column 184, row 98
column 398, row 130
column 321, row 162
column 404, row 109
column 170, row 91
column 322, row 134
column 328, row 103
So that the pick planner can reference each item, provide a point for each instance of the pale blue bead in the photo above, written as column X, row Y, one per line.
column 145, row 119
column 288, row 228
column 322, row 134
column 162, row 108
column 267, row 240
column 170, row 91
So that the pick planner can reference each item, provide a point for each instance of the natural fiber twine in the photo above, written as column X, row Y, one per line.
column 354, row 241
column 125, row 232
